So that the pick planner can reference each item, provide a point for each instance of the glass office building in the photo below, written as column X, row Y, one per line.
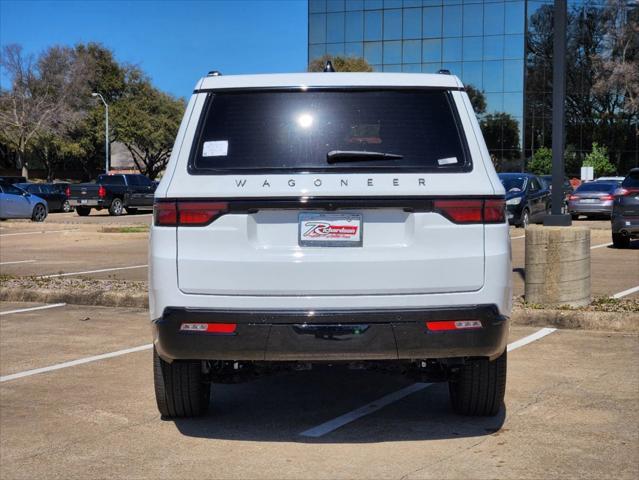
column 484, row 42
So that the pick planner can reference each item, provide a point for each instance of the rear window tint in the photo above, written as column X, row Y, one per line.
column 597, row 187
column 111, row 179
column 631, row 181
column 295, row 130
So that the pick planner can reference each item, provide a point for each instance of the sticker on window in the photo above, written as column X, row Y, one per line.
column 217, row 148
column 447, row 161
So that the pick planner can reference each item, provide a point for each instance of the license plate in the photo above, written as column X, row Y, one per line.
column 588, row 200
column 330, row 230
column 83, row 201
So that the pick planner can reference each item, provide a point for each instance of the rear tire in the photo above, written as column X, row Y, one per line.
column 83, row 211
column 116, row 207
column 39, row 213
column 620, row 241
column 524, row 221
column 180, row 389
column 66, row 206
column 478, row 389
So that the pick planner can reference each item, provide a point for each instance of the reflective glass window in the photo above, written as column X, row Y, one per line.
column 335, row 49
column 514, row 104
column 493, row 18
column 412, row 3
column 431, row 67
column 378, row 68
column 473, row 23
column 472, row 74
column 513, row 46
column 317, row 6
column 432, row 22
column 494, row 76
column 472, row 48
column 452, row 21
column 493, row 47
column 392, row 52
column 354, row 26
column 373, row 25
column 316, row 51
column 411, row 51
column 334, row 5
column 392, row 24
column 412, row 67
column 412, row 23
column 317, row 28
column 432, row 2
column 514, row 17
column 355, row 49
column 373, row 52
column 392, row 3
column 494, row 101
column 335, row 27
column 513, row 75
column 373, row 4
column 392, row 68
column 452, row 50
column 432, row 50
column 453, row 67
column 354, row 4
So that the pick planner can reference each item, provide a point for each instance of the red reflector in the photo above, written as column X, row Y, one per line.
column 494, row 211
column 165, row 214
column 208, row 327
column 453, row 325
column 101, row 191
column 460, row 211
column 200, row 213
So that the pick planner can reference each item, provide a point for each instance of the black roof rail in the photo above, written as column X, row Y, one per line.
column 443, row 71
column 214, row 73
column 329, row 67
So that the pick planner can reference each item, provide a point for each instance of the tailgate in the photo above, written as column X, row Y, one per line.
column 261, row 254
column 84, row 191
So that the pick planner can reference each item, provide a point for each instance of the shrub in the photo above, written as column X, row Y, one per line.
column 598, row 160
column 541, row 162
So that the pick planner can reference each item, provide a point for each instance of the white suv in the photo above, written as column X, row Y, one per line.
column 329, row 217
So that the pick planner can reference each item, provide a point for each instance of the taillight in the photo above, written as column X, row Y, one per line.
column 607, row 197
column 573, row 197
column 192, row 214
column 472, row 211
column 68, row 192
column 218, row 328
column 101, row 191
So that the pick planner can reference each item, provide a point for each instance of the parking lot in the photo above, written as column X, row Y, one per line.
column 77, row 395
column 571, row 411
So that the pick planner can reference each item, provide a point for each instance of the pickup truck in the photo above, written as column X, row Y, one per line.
column 116, row 193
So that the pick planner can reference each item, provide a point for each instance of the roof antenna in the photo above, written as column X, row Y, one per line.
column 329, row 67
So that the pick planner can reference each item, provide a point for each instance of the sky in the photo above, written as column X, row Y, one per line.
column 174, row 42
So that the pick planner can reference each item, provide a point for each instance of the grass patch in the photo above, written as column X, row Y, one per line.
column 126, row 229
column 598, row 304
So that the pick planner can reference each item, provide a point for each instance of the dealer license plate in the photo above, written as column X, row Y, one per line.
column 330, row 230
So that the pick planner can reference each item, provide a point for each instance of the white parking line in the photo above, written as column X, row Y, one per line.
column 626, row 292
column 73, row 363
column 18, row 261
column 601, row 245
column 91, row 271
column 43, row 307
column 376, row 405
column 38, row 232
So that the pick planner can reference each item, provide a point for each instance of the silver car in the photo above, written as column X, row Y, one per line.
column 592, row 199
column 16, row 203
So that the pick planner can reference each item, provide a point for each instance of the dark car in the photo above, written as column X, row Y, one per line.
column 592, row 199
column 527, row 198
column 625, row 211
column 55, row 197
column 10, row 180
column 566, row 187
column 115, row 192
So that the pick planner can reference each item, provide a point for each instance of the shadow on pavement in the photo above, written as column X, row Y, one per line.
column 279, row 408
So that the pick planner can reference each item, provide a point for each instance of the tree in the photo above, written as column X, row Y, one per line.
column 598, row 159
column 341, row 64
column 501, row 132
column 541, row 162
column 146, row 121
column 477, row 99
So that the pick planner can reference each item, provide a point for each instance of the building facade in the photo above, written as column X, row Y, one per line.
column 487, row 43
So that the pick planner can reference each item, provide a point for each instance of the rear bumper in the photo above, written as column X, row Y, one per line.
column 330, row 335
column 89, row 202
column 590, row 209
column 626, row 225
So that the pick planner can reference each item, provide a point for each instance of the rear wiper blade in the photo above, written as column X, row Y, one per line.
column 335, row 156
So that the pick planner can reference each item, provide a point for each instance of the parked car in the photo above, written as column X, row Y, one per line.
column 592, row 199
column 56, row 198
column 114, row 192
column 625, row 211
column 317, row 218
column 566, row 187
column 527, row 198
column 16, row 203
column 11, row 179
column 616, row 180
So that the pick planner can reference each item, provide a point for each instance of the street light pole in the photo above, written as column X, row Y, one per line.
column 106, row 131
column 557, row 218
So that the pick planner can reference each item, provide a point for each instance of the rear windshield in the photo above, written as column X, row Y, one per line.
column 111, row 179
column 631, row 181
column 597, row 187
column 295, row 130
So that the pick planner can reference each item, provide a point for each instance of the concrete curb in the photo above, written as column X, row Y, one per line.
column 96, row 298
column 571, row 319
